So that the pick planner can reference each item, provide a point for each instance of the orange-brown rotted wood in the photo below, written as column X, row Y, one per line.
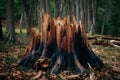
column 52, row 32
column 27, row 49
column 37, row 39
column 74, row 24
column 59, row 30
column 45, row 23
column 44, row 32
column 69, row 35
column 33, row 33
column 64, row 39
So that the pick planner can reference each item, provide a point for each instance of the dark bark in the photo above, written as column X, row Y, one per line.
column 25, row 11
column 20, row 24
column 81, row 11
column 1, row 34
column 30, row 16
column 58, row 8
column 47, row 6
column 42, row 5
column 84, row 14
column 10, row 22
column 72, row 7
column 94, row 5
column 77, row 10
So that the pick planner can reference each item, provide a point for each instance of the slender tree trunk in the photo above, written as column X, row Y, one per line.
column 47, row 3
column 30, row 17
column 71, row 4
column 58, row 8
column 1, row 34
column 102, row 30
column 38, row 15
column 81, row 11
column 77, row 10
column 7, row 19
column 85, row 14
column 106, row 16
column 21, row 18
column 26, row 15
column 88, row 15
column 10, row 21
column 93, row 19
column 42, row 5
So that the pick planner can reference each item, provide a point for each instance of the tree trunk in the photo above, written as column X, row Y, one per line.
column 1, row 34
column 20, row 25
column 30, row 17
column 10, row 21
column 71, row 6
column 47, row 2
column 81, row 11
column 94, row 28
column 58, row 7
column 85, row 15
column 103, row 25
column 77, row 10
column 26, row 15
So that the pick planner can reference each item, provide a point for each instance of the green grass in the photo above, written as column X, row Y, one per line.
column 17, row 30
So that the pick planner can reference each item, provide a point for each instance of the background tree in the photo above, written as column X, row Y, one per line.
column 25, row 15
column 1, row 34
column 58, row 8
column 10, row 22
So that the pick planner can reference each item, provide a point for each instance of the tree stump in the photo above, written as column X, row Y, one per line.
column 61, row 45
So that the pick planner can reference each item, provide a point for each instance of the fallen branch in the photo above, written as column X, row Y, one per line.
column 65, row 77
column 111, row 38
column 103, row 37
column 114, row 43
column 72, row 76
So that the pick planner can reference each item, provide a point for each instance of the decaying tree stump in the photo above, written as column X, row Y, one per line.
column 60, row 45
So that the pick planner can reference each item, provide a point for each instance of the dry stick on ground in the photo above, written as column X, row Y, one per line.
column 104, row 40
column 115, row 43
column 103, row 37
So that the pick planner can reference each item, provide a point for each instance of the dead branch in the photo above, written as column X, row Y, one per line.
column 115, row 43
column 111, row 38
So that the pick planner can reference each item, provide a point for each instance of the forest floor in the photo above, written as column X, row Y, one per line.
column 10, row 55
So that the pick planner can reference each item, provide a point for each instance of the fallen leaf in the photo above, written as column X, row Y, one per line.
column 116, row 69
column 14, row 65
column 39, row 73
